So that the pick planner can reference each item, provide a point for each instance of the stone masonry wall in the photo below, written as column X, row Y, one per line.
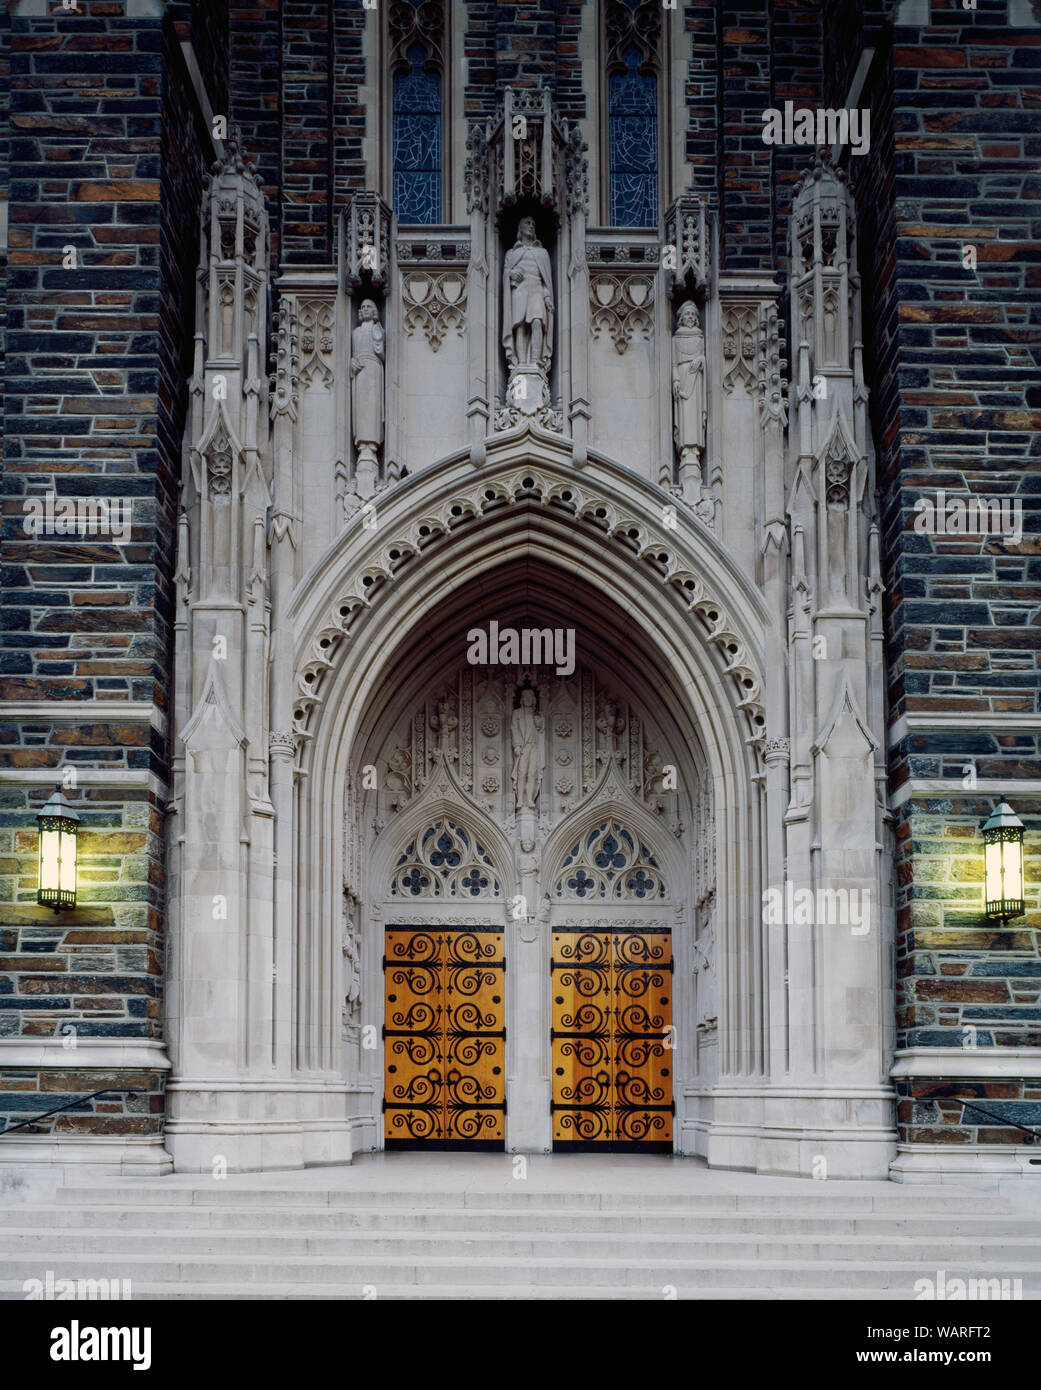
column 953, row 357
column 107, row 153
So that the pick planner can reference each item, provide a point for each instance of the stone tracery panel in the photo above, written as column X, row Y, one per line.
column 610, row 862
column 445, row 861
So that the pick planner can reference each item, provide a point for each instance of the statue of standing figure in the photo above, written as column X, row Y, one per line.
column 527, row 300
column 367, row 354
column 688, row 385
column 526, row 728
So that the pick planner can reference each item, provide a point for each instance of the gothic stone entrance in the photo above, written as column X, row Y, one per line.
column 526, row 962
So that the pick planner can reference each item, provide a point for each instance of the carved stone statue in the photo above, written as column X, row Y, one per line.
column 367, row 354
column 688, row 385
column 351, row 947
column 526, row 728
column 612, row 725
column 527, row 875
column 527, row 300
column 444, row 722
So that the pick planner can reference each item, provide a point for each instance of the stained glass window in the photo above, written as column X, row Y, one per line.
column 417, row 142
column 633, row 136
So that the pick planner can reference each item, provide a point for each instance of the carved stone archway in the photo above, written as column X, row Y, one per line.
column 628, row 577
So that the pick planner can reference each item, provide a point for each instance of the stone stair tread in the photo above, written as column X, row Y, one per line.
column 160, row 1291
column 651, row 1237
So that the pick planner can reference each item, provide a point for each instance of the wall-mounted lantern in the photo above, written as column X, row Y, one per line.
column 1003, row 864
column 59, row 823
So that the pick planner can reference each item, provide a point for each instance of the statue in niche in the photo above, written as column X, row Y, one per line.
column 612, row 725
column 526, row 730
column 444, row 723
column 688, row 385
column 351, row 947
column 227, row 318
column 527, row 300
column 367, row 355
column 527, row 876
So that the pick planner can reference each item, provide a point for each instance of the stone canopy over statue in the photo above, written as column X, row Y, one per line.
column 527, row 299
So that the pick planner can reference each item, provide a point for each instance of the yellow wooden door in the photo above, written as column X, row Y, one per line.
column 612, row 1040
column 444, row 1038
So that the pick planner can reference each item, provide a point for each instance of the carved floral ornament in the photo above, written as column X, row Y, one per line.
column 598, row 514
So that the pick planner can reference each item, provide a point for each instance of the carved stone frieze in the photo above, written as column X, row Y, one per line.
column 433, row 301
column 621, row 304
column 740, row 346
column 316, row 323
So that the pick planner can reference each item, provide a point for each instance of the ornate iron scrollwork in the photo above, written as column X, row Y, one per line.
column 612, row 1058
column 445, row 1039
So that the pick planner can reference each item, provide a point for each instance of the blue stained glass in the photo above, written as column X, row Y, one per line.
column 416, row 150
column 633, row 137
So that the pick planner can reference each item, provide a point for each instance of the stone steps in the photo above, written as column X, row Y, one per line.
column 886, row 1197
column 464, row 1229
column 164, row 1292
column 240, row 1218
column 375, row 1244
column 621, row 1269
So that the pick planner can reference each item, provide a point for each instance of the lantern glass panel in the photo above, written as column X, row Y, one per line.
column 50, row 857
column 67, row 862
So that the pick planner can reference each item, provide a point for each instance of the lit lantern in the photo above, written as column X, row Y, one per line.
column 1003, row 850
column 58, row 822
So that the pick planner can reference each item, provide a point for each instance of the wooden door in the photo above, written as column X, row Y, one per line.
column 444, row 1038
column 612, row 1036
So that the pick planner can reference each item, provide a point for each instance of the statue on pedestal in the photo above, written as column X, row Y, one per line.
column 526, row 729
column 688, row 386
column 527, row 301
column 367, row 356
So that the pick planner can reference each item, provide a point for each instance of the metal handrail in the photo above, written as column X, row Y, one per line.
column 108, row 1091
column 990, row 1114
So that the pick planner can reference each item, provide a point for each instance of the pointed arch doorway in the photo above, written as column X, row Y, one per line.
column 611, row 966
column 642, row 693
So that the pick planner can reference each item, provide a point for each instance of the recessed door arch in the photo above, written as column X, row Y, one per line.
column 611, row 972
column 443, row 966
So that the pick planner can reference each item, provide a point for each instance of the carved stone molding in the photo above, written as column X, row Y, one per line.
column 366, row 229
column 686, row 228
column 740, row 346
column 476, row 172
column 286, row 380
column 281, row 741
column 636, row 25
column 316, row 321
column 435, row 253
column 434, row 302
column 409, row 24
column 621, row 304
column 773, row 388
column 606, row 923
column 529, row 487
column 776, row 750
column 461, row 917
column 550, row 417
